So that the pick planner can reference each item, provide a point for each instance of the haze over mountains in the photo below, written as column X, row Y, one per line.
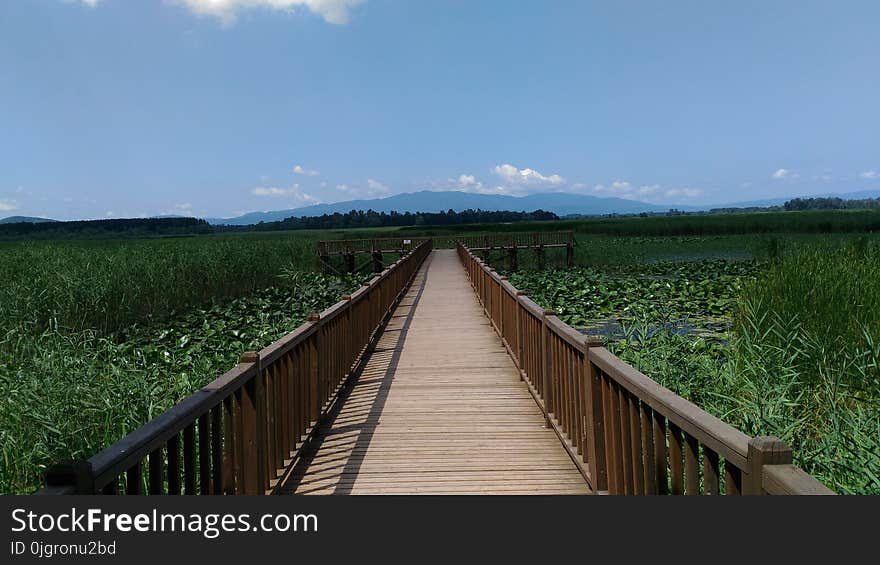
column 560, row 203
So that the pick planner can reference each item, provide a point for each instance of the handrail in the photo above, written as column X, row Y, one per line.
column 626, row 433
column 242, row 432
column 337, row 246
column 486, row 241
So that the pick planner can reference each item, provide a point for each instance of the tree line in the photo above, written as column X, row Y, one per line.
column 105, row 229
column 831, row 203
column 373, row 219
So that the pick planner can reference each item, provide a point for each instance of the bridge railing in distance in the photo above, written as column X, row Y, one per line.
column 240, row 433
column 518, row 239
column 626, row 433
column 388, row 244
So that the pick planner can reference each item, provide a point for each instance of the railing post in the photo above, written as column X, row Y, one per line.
column 501, row 293
column 519, row 333
column 764, row 450
column 74, row 477
column 315, row 370
column 377, row 261
column 595, row 420
column 546, row 366
column 349, row 340
column 253, row 426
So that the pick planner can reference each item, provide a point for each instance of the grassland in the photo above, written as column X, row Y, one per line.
column 802, row 222
column 96, row 338
column 775, row 335
column 775, row 332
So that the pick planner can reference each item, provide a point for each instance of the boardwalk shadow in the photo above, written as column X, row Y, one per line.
column 343, row 443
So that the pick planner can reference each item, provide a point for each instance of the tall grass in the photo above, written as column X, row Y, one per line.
column 803, row 222
column 69, row 394
column 98, row 337
column 803, row 361
column 107, row 285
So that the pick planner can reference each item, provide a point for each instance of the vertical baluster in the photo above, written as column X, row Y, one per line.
column 189, row 460
column 732, row 479
column 173, row 447
column 615, row 456
column 596, row 428
column 204, row 455
column 710, row 471
column 156, row 472
column 692, row 465
column 675, row 459
column 625, row 445
column 635, row 428
column 134, row 479
column 648, row 456
column 218, row 476
column 660, row 458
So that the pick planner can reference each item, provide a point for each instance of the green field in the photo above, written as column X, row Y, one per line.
column 777, row 332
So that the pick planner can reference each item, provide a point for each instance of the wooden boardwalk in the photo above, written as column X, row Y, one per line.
column 438, row 409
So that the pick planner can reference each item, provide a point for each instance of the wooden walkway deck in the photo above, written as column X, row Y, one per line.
column 438, row 409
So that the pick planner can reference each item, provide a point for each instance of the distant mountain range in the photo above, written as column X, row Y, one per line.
column 23, row 219
column 560, row 203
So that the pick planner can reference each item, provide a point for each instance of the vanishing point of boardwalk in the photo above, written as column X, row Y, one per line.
column 438, row 409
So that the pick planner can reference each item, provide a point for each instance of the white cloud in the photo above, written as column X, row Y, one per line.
column 780, row 174
column 647, row 192
column 618, row 187
column 299, row 170
column 870, row 175
column 293, row 192
column 683, row 192
column 8, row 206
column 376, row 188
column 468, row 180
column 469, row 183
column 526, row 176
column 89, row 3
column 333, row 11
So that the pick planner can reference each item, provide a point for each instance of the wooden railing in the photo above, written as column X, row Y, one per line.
column 518, row 239
column 626, row 433
column 387, row 244
column 240, row 433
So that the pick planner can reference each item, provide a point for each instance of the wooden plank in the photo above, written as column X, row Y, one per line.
column 439, row 407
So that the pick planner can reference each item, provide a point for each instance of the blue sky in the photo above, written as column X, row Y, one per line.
column 118, row 108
